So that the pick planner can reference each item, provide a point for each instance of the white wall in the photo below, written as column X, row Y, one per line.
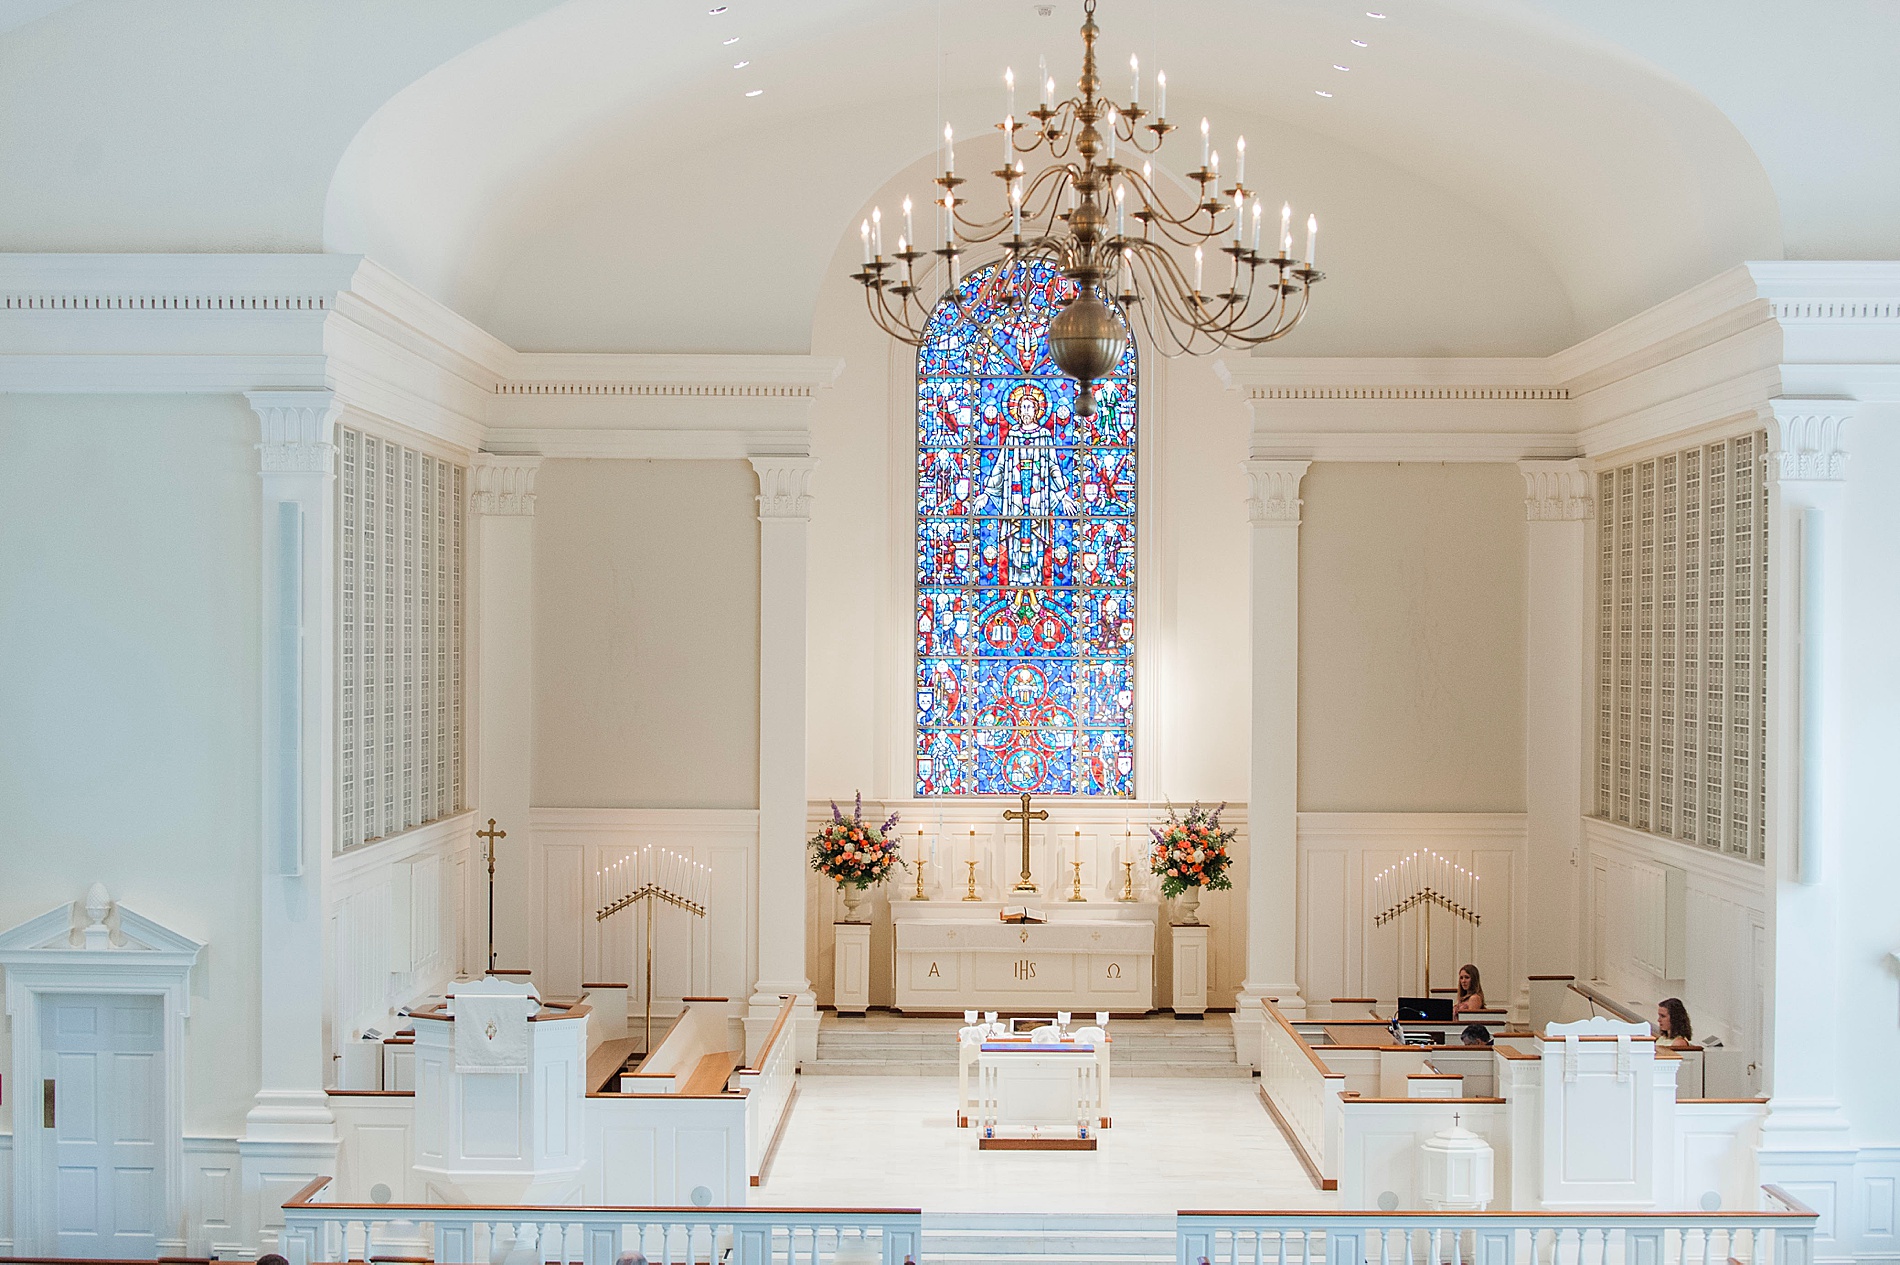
column 129, row 723
column 646, row 635
column 1412, row 638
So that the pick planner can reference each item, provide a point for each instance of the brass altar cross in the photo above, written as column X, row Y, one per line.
column 490, row 837
column 1025, row 883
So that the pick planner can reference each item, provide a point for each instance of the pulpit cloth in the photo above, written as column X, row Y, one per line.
column 491, row 1032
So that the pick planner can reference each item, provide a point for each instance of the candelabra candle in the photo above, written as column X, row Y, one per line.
column 1009, row 140
column 1113, row 120
column 1312, row 236
column 1009, row 92
column 1197, row 272
column 1204, row 144
column 1286, row 229
column 1121, row 218
column 949, row 151
column 1240, row 161
column 1161, row 95
column 864, row 231
column 1044, row 83
column 1240, row 221
column 877, row 232
column 1134, row 73
column 909, row 234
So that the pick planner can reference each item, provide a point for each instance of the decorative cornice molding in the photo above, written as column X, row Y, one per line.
column 1273, row 492
column 645, row 443
column 784, row 486
column 1557, row 491
column 502, row 485
column 1415, row 392
column 297, row 429
column 1806, row 439
column 664, row 390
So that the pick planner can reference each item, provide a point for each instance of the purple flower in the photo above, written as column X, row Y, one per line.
column 888, row 823
column 857, row 809
column 835, row 814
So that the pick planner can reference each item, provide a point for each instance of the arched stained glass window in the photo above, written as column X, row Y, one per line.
column 1025, row 554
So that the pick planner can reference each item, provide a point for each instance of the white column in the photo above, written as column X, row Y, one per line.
column 289, row 1134
column 1806, row 494
column 784, row 526
column 1273, row 507
column 1559, row 504
column 501, row 502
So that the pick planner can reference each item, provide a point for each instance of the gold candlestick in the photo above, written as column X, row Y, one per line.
column 971, row 894
column 1128, row 881
column 1077, row 894
column 921, row 863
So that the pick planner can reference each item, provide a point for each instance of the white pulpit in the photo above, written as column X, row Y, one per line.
column 1030, row 1094
column 1088, row 956
column 502, row 1133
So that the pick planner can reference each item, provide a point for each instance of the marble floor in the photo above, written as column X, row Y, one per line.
column 889, row 1141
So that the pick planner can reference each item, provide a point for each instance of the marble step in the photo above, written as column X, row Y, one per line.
column 1094, row 1239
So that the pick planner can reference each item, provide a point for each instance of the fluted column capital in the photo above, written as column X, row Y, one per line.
column 1807, row 439
column 784, row 486
column 1273, row 492
column 296, row 431
column 1558, row 491
column 502, row 485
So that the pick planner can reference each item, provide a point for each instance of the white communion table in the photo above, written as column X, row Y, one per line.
column 959, row 955
column 1024, row 1090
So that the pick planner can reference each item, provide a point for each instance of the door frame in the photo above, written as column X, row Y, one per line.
column 68, row 950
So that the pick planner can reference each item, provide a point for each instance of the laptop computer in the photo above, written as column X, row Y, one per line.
column 1425, row 1009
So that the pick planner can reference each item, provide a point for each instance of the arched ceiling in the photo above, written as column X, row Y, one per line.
column 588, row 173
column 722, row 210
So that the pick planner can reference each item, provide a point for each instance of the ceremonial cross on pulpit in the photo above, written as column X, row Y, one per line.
column 490, row 837
column 1025, row 883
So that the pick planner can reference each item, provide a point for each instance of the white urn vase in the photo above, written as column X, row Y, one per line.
column 1187, row 907
column 853, row 897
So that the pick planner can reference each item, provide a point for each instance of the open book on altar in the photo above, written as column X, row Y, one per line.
column 1021, row 913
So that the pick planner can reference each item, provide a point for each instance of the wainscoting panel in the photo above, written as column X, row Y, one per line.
column 396, row 924
column 1715, row 960
column 1342, row 954
column 714, row 956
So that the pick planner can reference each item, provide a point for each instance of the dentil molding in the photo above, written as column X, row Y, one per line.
column 502, row 485
column 1273, row 491
column 784, row 486
column 1806, row 439
column 297, row 429
column 1557, row 491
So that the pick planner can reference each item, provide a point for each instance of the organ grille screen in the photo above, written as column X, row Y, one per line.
column 399, row 640
column 1682, row 634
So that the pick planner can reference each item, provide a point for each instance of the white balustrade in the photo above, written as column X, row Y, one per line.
column 1298, row 1087
column 768, row 1089
column 1781, row 1234
column 315, row 1233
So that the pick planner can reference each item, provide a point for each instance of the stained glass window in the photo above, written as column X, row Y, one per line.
column 1025, row 554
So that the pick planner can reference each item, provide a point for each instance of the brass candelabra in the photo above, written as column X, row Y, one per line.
column 1074, row 213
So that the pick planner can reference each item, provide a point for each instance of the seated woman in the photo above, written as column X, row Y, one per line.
column 1673, row 1030
column 1470, row 991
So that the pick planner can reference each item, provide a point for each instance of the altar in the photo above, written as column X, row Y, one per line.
column 959, row 955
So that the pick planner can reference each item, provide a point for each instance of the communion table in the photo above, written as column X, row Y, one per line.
column 959, row 955
column 1033, row 1087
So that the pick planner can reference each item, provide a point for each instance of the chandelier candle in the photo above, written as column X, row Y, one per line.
column 1059, row 219
column 1312, row 236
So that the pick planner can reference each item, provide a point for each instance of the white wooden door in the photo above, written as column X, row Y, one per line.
column 103, row 1056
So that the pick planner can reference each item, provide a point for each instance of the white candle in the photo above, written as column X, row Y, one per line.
column 1256, row 226
column 1240, row 160
column 1009, row 91
column 1161, row 94
column 1044, row 83
column 1121, row 218
column 1112, row 119
column 864, row 232
column 1134, row 72
column 1204, row 149
column 949, row 151
column 1016, row 208
column 1197, row 270
column 877, row 231
column 1009, row 139
column 909, row 233
column 1312, row 236
column 1049, row 94
column 1213, row 172
column 1286, row 231
column 1240, row 213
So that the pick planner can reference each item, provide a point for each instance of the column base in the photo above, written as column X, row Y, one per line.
column 1250, row 1020
column 289, row 1139
column 762, row 1012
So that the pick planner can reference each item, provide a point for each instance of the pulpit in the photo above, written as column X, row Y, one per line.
column 499, row 1096
column 960, row 955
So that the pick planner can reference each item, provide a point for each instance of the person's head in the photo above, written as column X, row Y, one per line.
column 1468, row 981
column 1672, row 1019
column 1475, row 1034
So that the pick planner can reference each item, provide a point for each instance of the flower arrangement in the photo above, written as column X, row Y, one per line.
column 853, row 854
column 1192, row 852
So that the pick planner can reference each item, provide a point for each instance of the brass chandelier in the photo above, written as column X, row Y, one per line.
column 1068, row 208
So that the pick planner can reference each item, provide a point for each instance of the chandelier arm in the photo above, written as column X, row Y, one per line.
column 881, row 317
column 1156, row 307
column 1169, row 285
column 1287, row 325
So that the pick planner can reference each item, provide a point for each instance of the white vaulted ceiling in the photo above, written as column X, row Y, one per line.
column 588, row 175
